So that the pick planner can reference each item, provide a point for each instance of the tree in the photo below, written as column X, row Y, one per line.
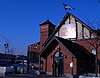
column 9, row 49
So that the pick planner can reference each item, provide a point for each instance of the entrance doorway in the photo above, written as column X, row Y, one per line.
column 58, row 64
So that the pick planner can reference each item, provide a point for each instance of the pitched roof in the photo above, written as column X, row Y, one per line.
column 47, row 22
column 62, row 22
column 74, row 49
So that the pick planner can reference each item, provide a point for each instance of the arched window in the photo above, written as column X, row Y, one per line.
column 58, row 63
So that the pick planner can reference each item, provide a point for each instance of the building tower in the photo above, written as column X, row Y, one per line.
column 46, row 30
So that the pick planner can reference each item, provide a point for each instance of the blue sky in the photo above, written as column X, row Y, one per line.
column 20, row 19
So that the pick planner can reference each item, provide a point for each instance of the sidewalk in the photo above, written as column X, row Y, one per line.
column 31, row 74
column 26, row 75
column 18, row 76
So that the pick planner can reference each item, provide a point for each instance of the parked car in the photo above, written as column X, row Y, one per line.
column 20, row 68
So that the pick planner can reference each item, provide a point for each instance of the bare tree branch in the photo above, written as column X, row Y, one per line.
column 99, row 1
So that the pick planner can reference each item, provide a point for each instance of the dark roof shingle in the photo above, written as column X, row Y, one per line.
column 47, row 22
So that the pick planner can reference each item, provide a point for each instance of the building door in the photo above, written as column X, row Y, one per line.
column 58, row 64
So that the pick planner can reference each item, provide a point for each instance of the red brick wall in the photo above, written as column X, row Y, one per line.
column 47, row 30
column 44, row 30
column 85, row 44
column 67, row 60
column 88, row 44
column 33, row 48
column 74, row 66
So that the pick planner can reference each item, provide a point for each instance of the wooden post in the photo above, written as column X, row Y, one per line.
column 39, row 64
column 46, row 65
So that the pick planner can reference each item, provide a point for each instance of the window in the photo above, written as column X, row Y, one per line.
column 35, row 47
column 57, row 54
column 43, row 35
column 68, row 31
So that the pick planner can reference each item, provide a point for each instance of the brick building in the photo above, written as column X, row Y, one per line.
column 33, row 53
column 70, row 48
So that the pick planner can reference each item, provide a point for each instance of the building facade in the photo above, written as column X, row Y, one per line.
column 70, row 48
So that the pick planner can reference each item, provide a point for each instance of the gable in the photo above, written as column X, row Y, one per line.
column 53, row 43
column 74, row 49
column 73, row 28
column 79, row 29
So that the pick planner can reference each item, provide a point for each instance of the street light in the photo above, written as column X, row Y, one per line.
column 6, row 46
